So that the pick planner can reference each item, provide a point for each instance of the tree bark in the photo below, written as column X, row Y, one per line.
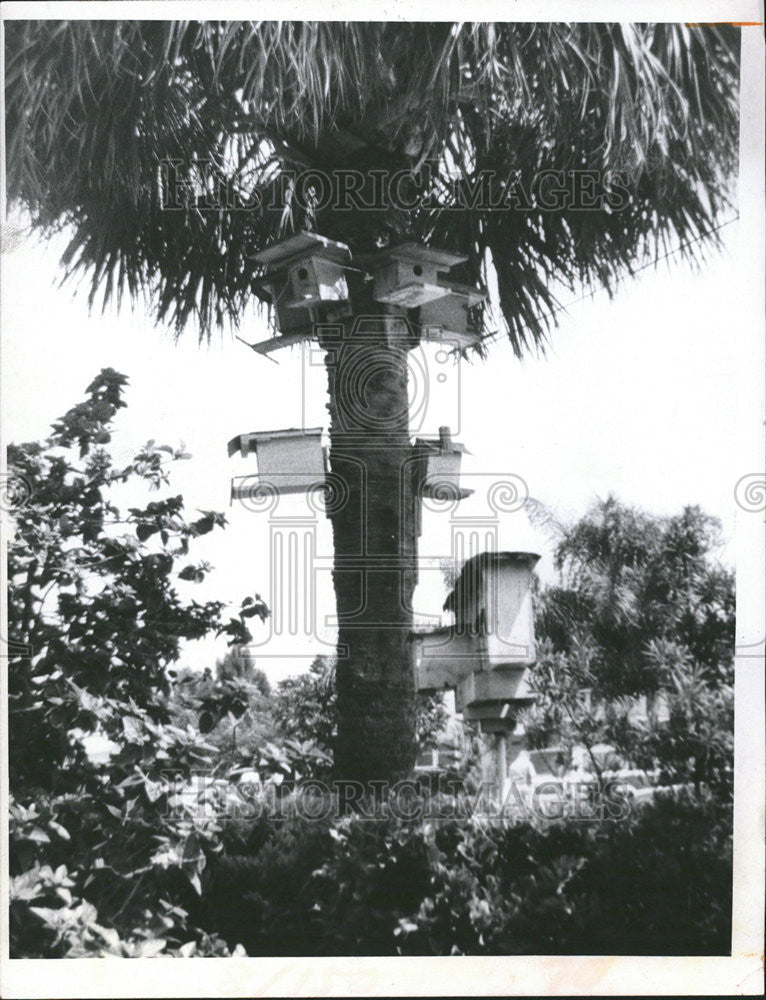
column 375, row 538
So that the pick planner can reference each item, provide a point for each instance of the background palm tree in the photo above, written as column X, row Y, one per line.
column 95, row 109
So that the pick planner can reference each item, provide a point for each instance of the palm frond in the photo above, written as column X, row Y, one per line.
column 97, row 110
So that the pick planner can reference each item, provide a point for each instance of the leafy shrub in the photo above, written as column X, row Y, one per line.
column 655, row 882
column 99, row 860
column 304, row 707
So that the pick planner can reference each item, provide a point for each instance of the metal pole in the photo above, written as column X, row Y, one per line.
column 502, row 762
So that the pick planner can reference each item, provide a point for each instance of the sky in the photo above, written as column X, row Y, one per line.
column 636, row 396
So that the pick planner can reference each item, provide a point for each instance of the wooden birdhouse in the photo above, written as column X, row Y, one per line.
column 493, row 597
column 485, row 653
column 510, row 685
column 288, row 461
column 311, row 266
column 438, row 466
column 304, row 273
column 407, row 275
column 447, row 320
column 493, row 717
column 314, row 280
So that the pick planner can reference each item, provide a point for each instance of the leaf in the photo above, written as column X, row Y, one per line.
column 252, row 612
column 203, row 525
column 196, row 883
column 151, row 948
column 109, row 935
column 132, row 729
column 26, row 886
column 154, row 789
column 192, row 573
column 406, row 927
column 48, row 915
column 59, row 829
column 145, row 531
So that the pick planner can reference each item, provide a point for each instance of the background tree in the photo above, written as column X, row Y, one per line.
column 235, row 664
column 642, row 615
column 306, row 706
column 92, row 611
column 491, row 118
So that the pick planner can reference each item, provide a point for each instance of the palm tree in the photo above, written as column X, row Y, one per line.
column 487, row 129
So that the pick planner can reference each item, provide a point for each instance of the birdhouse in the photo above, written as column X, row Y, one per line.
column 493, row 717
column 293, row 325
column 288, row 461
column 314, row 280
column 312, row 266
column 407, row 275
column 493, row 597
column 485, row 653
column 447, row 320
column 303, row 273
column 438, row 466
column 492, row 686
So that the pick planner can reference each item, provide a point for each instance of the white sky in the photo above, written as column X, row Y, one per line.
column 636, row 396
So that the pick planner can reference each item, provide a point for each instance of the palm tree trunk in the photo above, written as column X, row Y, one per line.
column 375, row 541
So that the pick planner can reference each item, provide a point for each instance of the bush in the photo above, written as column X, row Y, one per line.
column 99, row 861
column 304, row 708
column 656, row 882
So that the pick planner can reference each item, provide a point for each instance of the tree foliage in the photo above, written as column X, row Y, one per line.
column 643, row 615
column 630, row 580
column 305, row 706
column 95, row 623
column 656, row 882
column 477, row 113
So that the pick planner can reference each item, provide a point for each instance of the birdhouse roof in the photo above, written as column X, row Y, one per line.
column 511, row 556
column 418, row 253
column 252, row 439
column 464, row 590
column 302, row 244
